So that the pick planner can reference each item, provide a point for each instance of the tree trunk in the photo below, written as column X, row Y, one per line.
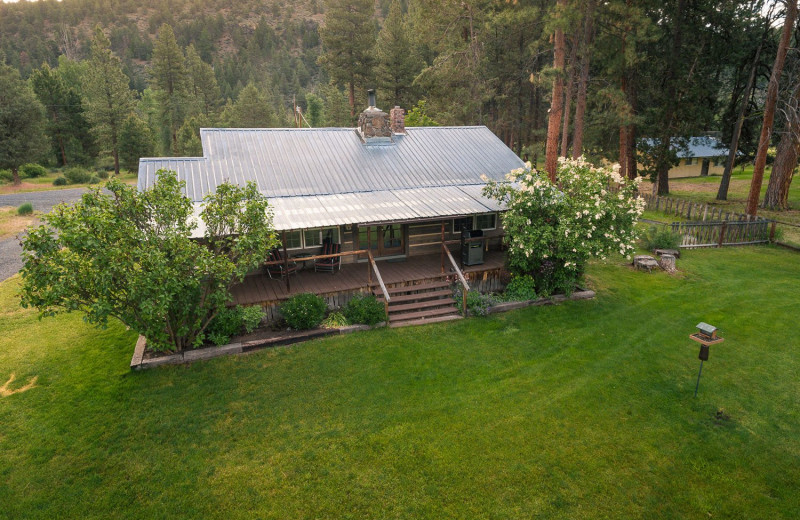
column 557, row 101
column 663, row 162
column 583, row 82
column 15, row 176
column 632, row 170
column 722, row 193
column 777, row 194
column 780, row 180
column 769, row 109
column 60, row 140
column 571, row 84
column 352, row 92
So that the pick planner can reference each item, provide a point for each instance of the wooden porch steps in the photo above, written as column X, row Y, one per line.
column 437, row 319
column 416, row 304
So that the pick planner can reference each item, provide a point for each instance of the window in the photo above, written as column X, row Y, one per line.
column 486, row 222
column 314, row 237
column 689, row 160
column 294, row 240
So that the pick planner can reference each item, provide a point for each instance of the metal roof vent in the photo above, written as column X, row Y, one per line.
column 374, row 126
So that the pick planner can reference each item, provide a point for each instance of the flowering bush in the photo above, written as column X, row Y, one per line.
column 553, row 229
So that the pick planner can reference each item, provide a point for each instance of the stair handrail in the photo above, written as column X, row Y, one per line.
column 464, row 284
column 386, row 297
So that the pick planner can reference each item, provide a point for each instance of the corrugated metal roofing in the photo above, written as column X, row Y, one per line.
column 328, row 176
column 703, row 147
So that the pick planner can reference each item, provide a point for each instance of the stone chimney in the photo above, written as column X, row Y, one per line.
column 373, row 123
column 398, row 118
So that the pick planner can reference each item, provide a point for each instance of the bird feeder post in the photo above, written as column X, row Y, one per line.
column 706, row 335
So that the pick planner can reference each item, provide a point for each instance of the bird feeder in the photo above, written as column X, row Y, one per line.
column 706, row 335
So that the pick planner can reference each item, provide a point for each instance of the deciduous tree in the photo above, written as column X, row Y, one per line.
column 131, row 255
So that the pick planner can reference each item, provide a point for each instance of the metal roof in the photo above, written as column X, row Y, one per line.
column 703, row 146
column 329, row 176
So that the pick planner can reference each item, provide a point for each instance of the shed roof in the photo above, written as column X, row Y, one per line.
column 700, row 146
column 329, row 176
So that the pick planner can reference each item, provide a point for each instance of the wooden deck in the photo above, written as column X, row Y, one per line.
column 261, row 289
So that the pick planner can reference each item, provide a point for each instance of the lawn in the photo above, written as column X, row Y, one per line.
column 582, row 410
column 45, row 183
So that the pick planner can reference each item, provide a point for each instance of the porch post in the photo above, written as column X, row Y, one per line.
column 285, row 263
column 443, row 246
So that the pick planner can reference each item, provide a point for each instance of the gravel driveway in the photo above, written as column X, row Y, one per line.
column 10, row 250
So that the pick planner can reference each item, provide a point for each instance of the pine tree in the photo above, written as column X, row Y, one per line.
column 398, row 61
column 22, row 137
column 252, row 109
column 348, row 37
column 109, row 101
column 336, row 109
column 135, row 141
column 557, row 100
column 203, row 85
column 170, row 82
column 52, row 93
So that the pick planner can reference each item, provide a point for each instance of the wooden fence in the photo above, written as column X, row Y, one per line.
column 722, row 233
column 694, row 211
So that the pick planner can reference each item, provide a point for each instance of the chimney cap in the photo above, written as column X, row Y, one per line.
column 371, row 96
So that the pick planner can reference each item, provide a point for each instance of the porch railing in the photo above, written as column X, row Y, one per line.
column 464, row 284
column 380, row 282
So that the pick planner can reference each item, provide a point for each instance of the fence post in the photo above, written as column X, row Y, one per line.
column 705, row 212
column 464, row 300
column 772, row 231
column 722, row 233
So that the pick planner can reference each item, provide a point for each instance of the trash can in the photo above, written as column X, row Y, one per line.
column 471, row 252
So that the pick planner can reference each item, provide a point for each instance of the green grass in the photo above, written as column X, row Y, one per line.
column 582, row 410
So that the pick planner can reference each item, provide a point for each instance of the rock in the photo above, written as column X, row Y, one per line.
column 674, row 252
column 644, row 262
column 667, row 263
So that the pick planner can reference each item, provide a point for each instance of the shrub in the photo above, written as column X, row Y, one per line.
column 364, row 309
column 77, row 175
column 335, row 320
column 103, row 174
column 60, row 181
column 477, row 303
column 32, row 170
column 660, row 237
column 6, row 176
column 232, row 321
column 520, row 288
column 304, row 311
column 25, row 209
column 553, row 229
column 94, row 179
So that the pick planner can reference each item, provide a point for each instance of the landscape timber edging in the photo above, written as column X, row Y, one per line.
column 579, row 294
column 138, row 362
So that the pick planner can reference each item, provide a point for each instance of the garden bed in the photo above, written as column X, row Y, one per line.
column 261, row 339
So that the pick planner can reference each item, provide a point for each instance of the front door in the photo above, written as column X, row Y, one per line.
column 386, row 240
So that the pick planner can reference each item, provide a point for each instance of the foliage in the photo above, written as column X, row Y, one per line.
column 6, row 176
column 520, row 288
column 554, row 229
column 169, row 80
column 103, row 174
column 32, row 170
column 22, row 122
column 130, row 255
column 25, row 209
column 60, row 181
column 304, row 311
column 232, row 321
column 348, row 39
column 335, row 320
column 252, row 109
column 418, row 116
column 477, row 303
column 364, row 309
column 77, row 175
column 135, row 141
column 398, row 62
column 109, row 100
column 660, row 237
column 94, row 179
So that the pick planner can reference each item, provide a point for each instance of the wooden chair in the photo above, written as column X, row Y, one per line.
column 329, row 264
column 281, row 270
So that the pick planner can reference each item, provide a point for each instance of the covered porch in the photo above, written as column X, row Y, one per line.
column 338, row 288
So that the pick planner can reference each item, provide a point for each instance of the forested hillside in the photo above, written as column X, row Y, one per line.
column 619, row 69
